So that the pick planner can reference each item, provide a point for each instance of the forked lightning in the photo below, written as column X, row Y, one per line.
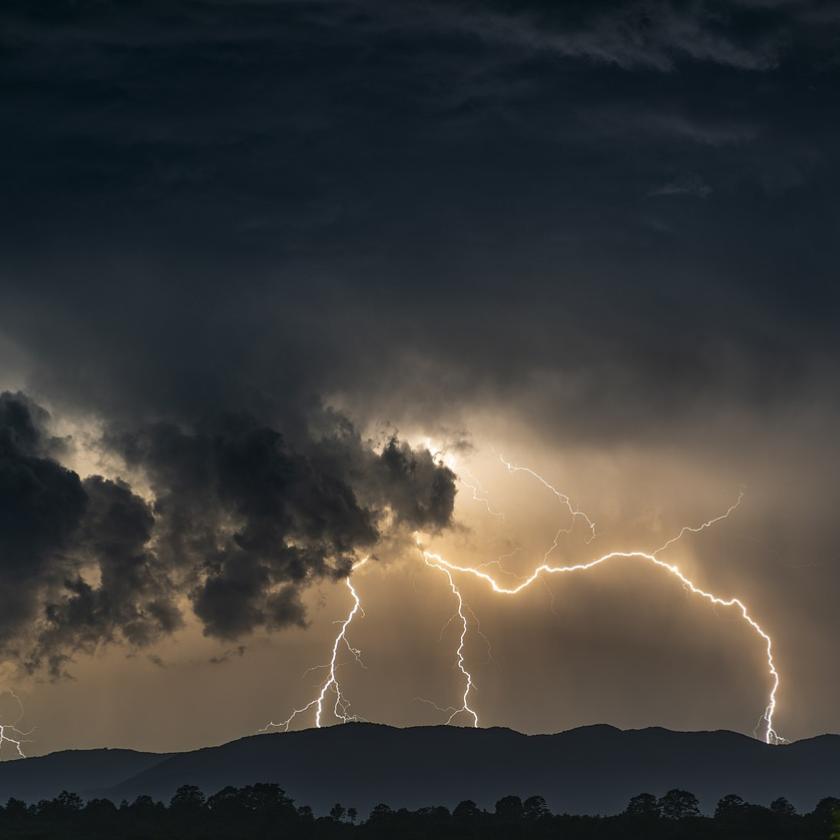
column 9, row 732
column 341, row 707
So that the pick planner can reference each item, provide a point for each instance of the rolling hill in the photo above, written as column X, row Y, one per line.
column 593, row 769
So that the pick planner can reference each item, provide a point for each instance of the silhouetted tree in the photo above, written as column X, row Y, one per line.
column 188, row 799
column 782, row 807
column 144, row 806
column 99, row 808
column 643, row 805
column 265, row 812
column 267, row 798
column 535, row 808
column 729, row 806
column 381, row 813
column 305, row 813
column 825, row 814
column 64, row 805
column 16, row 808
column 509, row 809
column 466, row 810
column 225, row 803
column 679, row 804
column 69, row 802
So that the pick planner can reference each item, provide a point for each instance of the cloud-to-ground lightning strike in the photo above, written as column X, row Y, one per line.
column 9, row 732
column 771, row 736
column 464, row 708
column 341, row 707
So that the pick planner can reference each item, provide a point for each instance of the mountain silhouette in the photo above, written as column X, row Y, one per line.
column 592, row 769
column 83, row 771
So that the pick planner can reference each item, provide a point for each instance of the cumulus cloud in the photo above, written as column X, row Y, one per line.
column 240, row 524
column 42, row 506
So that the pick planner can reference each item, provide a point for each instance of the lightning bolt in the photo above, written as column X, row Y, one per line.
column 771, row 736
column 574, row 512
column 9, row 732
column 341, row 706
column 687, row 529
column 479, row 494
column 464, row 708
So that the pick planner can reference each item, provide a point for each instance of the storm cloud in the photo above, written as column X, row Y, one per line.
column 271, row 204
column 239, row 525
column 254, row 250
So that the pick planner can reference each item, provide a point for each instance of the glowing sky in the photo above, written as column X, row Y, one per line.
column 294, row 272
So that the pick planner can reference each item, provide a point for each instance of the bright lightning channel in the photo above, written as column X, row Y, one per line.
column 434, row 560
column 341, row 706
column 465, row 707
column 10, row 733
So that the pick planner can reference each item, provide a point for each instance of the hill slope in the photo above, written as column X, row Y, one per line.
column 81, row 771
column 588, row 770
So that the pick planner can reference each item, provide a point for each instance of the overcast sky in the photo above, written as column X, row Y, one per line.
column 281, row 279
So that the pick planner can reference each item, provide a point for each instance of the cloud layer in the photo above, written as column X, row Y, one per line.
column 240, row 524
column 240, row 238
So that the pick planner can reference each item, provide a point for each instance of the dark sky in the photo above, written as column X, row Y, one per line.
column 263, row 261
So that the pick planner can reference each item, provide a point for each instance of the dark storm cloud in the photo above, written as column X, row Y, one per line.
column 262, row 520
column 240, row 524
column 251, row 521
column 52, row 525
column 288, row 522
column 254, row 205
column 423, row 495
column 628, row 34
column 41, row 510
column 133, row 600
column 591, row 214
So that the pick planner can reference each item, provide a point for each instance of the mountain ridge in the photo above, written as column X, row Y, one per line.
column 590, row 769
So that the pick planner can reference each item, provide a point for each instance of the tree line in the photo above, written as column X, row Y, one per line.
column 265, row 811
